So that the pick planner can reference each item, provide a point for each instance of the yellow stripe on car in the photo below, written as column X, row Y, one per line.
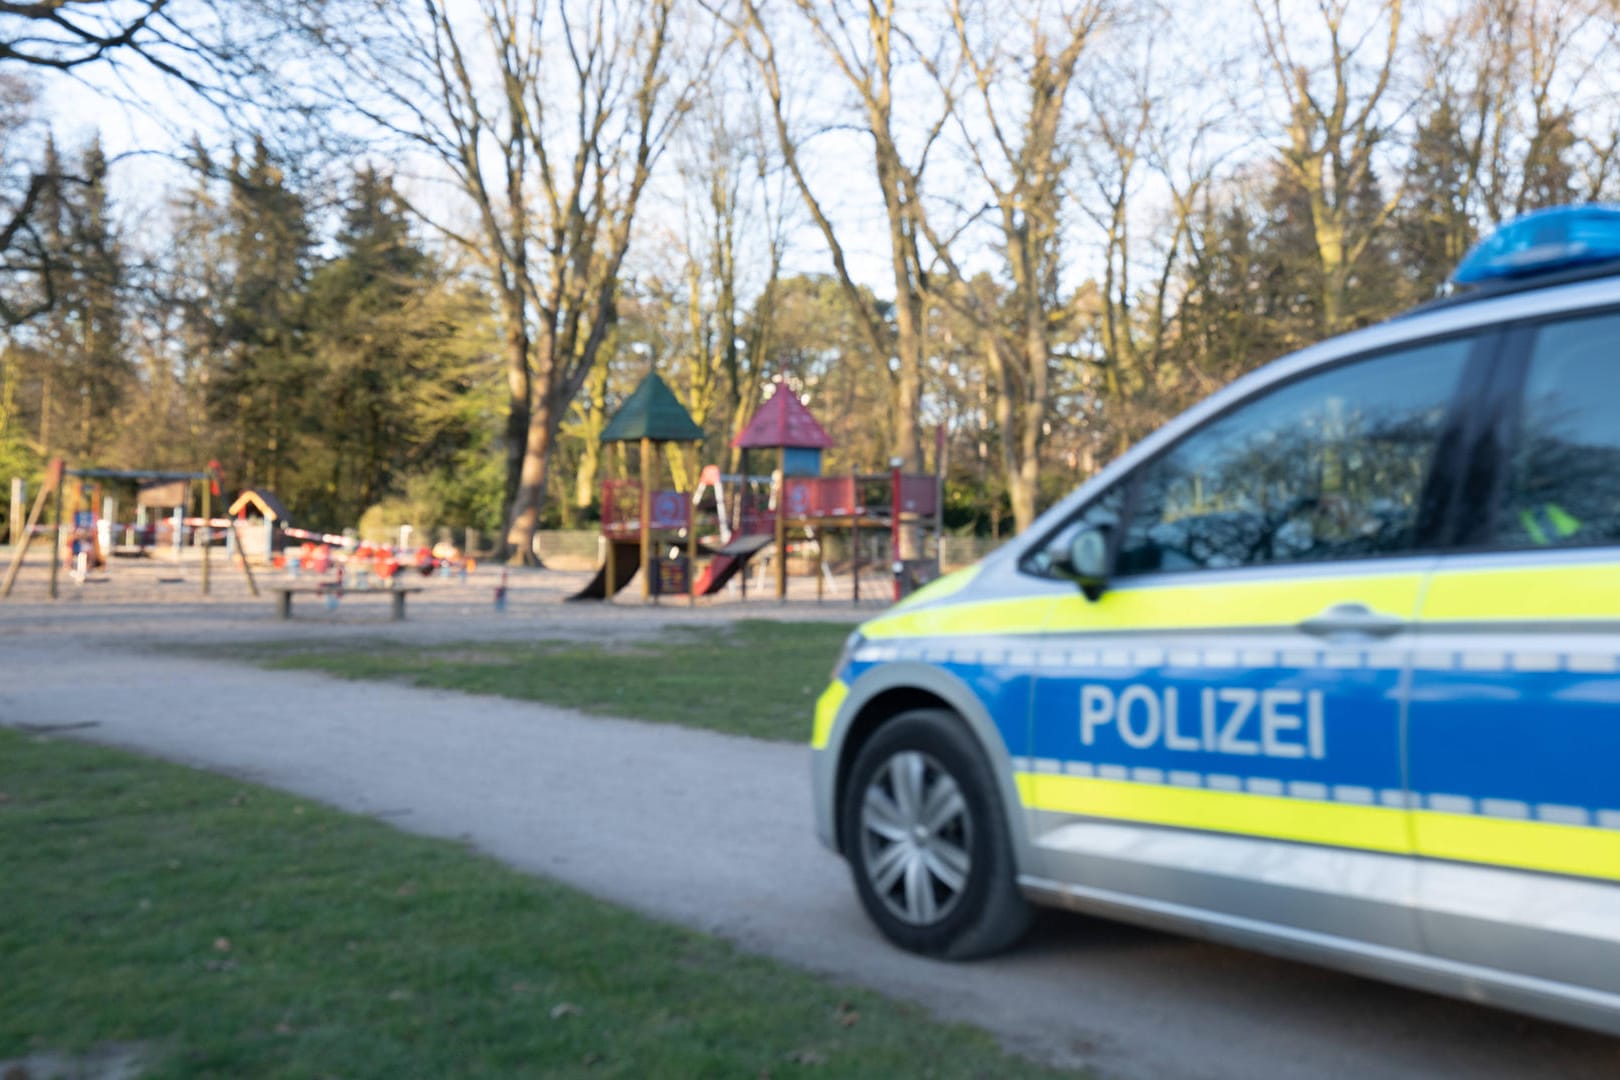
column 1377, row 828
column 1573, row 591
column 827, row 706
column 940, row 588
column 1586, row 590
column 1273, row 602
column 1530, row 845
column 1025, row 615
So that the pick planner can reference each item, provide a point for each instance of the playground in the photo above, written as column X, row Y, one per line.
column 779, row 529
column 890, row 522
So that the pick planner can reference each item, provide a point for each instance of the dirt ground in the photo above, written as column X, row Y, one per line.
column 154, row 601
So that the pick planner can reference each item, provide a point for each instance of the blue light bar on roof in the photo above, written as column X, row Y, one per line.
column 1543, row 242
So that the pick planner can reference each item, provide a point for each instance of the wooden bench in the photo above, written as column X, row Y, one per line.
column 285, row 594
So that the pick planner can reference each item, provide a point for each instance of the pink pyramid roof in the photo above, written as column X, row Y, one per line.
column 783, row 421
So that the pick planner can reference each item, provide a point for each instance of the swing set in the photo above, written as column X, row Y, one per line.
column 82, row 530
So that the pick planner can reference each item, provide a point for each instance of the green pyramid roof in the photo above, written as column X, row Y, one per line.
column 652, row 412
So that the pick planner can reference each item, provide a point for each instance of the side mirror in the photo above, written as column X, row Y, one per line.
column 1086, row 561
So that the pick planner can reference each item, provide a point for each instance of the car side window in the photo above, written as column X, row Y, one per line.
column 1331, row 466
column 1563, row 479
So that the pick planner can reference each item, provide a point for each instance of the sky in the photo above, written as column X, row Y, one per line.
column 145, row 121
column 1199, row 57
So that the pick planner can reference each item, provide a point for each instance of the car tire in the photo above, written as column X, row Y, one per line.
column 926, row 839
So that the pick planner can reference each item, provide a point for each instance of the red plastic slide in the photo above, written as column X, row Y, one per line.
column 728, row 561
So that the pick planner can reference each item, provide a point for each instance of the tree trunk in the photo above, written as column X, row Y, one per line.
column 908, row 408
column 594, row 407
column 585, row 477
column 1329, row 234
column 518, row 418
column 524, row 521
column 1025, row 487
column 908, row 308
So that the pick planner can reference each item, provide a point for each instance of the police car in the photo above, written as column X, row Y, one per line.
column 1328, row 667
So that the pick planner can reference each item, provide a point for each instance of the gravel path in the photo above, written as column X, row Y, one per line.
column 714, row 832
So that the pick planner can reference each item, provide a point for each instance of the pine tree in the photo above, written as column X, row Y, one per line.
column 401, row 367
column 1433, row 228
column 257, row 393
column 99, row 368
column 78, row 342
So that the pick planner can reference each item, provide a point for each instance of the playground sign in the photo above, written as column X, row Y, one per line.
column 674, row 577
column 798, row 500
column 669, row 510
column 163, row 494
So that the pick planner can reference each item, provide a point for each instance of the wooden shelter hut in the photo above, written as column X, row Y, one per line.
column 259, row 514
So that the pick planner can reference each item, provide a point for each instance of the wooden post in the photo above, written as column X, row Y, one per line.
column 646, row 518
column 939, row 500
column 742, row 523
column 611, row 562
column 207, row 516
column 894, row 521
column 781, row 523
column 692, row 538
column 855, row 538
column 821, row 585
column 19, row 499
column 236, row 538
column 56, row 550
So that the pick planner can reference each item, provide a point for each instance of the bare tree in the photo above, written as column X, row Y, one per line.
column 1522, row 86
column 1147, row 165
column 550, row 117
column 28, row 272
column 715, row 177
column 1014, row 127
column 736, row 215
column 866, row 46
column 63, row 35
column 1336, row 123
column 216, row 52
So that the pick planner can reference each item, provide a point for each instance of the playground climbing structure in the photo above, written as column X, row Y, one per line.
column 637, row 516
column 767, row 515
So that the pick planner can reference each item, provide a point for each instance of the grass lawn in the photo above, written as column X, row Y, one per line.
column 754, row 677
column 235, row 931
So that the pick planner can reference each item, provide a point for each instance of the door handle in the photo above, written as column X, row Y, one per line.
column 1346, row 620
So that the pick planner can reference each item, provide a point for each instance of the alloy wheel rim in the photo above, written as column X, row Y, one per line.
column 916, row 838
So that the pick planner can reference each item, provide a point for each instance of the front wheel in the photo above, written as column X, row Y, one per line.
column 926, row 839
